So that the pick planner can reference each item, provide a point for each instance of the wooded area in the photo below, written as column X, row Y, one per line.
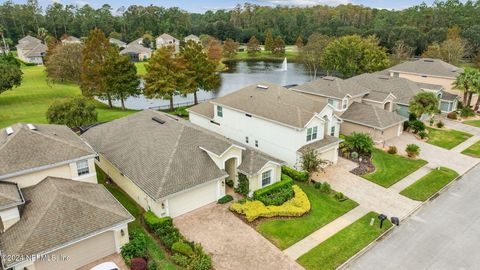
column 417, row 26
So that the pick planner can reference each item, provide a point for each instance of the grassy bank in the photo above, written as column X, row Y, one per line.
column 29, row 102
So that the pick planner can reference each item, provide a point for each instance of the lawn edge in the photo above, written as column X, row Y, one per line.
column 436, row 193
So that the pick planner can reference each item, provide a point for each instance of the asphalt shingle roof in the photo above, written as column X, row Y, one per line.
column 429, row 67
column 332, row 87
column 372, row 116
column 135, row 48
column 205, row 108
column 163, row 159
column 275, row 103
column 9, row 195
column 71, row 211
column 327, row 140
column 47, row 145
column 37, row 51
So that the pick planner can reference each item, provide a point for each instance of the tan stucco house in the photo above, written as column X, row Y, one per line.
column 167, row 40
column 170, row 166
column 31, row 50
column 50, row 202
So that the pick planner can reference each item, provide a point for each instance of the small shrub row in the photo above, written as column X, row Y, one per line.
column 186, row 254
column 135, row 248
column 297, row 206
column 323, row 187
column 225, row 199
column 339, row 196
column 294, row 174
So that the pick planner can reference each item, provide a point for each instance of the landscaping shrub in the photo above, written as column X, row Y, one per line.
column 412, row 150
column 181, row 111
column 243, row 185
column 340, row 196
column 182, row 248
column 138, row 264
column 153, row 222
column 285, row 181
column 467, row 112
column 152, row 265
column 229, row 182
column 360, row 142
column 201, row 262
column 417, row 126
column 423, row 134
column 317, row 185
column 392, row 150
column 354, row 155
column 326, row 188
column 277, row 196
column 297, row 206
column 452, row 115
column 136, row 248
column 225, row 199
column 294, row 174
column 180, row 259
column 440, row 124
column 431, row 121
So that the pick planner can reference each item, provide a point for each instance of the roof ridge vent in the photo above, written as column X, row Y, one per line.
column 9, row 131
column 31, row 126
column 263, row 87
column 158, row 120
column 329, row 78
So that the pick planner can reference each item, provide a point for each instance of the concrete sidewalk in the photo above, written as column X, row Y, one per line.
column 459, row 148
column 412, row 178
column 322, row 234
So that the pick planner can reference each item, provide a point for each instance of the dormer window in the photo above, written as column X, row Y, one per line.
column 312, row 133
column 82, row 167
column 344, row 103
column 219, row 111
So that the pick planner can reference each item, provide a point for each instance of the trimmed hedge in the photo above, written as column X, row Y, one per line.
column 285, row 181
column 225, row 199
column 295, row 175
column 153, row 222
column 297, row 206
column 277, row 193
column 183, row 248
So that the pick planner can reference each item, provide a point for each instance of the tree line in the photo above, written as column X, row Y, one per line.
column 417, row 26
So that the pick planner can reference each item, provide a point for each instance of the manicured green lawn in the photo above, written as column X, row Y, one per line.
column 391, row 168
column 29, row 102
column 473, row 150
column 446, row 138
column 141, row 68
column 286, row 232
column 153, row 247
column 475, row 123
column 340, row 247
column 428, row 185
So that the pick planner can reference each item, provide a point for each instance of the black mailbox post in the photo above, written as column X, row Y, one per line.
column 382, row 217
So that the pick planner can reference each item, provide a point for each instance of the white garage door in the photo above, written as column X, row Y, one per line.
column 192, row 199
column 81, row 253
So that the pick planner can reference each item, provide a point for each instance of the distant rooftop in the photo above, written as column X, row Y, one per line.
column 429, row 67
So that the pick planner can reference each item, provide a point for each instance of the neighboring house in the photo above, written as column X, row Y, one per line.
column 192, row 37
column 354, row 105
column 274, row 120
column 170, row 166
column 138, row 41
column 120, row 44
column 137, row 52
column 427, row 70
column 70, row 40
column 44, row 214
column 167, row 40
column 31, row 50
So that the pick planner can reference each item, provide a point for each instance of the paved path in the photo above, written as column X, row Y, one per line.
column 314, row 239
column 232, row 243
column 461, row 126
column 442, row 235
column 459, row 148
column 412, row 178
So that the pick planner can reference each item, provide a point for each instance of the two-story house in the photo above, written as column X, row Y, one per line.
column 274, row 120
column 167, row 40
column 50, row 203
column 31, row 50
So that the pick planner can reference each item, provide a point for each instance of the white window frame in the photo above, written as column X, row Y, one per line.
column 246, row 139
column 344, row 103
column 312, row 133
column 82, row 167
column 256, row 143
column 219, row 111
column 266, row 175
column 332, row 130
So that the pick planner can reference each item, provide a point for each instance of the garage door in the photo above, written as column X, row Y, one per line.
column 192, row 199
column 81, row 253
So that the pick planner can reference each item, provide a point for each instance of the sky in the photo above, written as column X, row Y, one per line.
column 200, row 6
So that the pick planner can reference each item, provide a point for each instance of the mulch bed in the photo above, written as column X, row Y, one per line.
column 364, row 162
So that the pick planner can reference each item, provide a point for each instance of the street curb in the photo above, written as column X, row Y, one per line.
column 384, row 234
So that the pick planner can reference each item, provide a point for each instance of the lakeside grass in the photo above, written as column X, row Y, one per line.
column 29, row 102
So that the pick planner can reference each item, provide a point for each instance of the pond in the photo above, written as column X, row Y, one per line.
column 239, row 74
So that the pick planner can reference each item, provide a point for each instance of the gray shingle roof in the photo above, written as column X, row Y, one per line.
column 71, row 211
column 117, row 42
column 166, row 36
column 276, row 103
column 371, row 116
column 10, row 195
column 449, row 96
column 326, row 141
column 429, row 67
column 29, row 149
column 28, row 43
column 205, row 108
column 332, row 87
column 38, row 51
column 162, row 159
column 135, row 48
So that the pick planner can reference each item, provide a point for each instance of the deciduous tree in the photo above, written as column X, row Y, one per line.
column 269, row 42
column 230, row 47
column 279, row 46
column 312, row 53
column 10, row 73
column 215, row 51
column 253, row 46
column 73, row 112
column 299, row 42
column 64, row 63
column 401, row 52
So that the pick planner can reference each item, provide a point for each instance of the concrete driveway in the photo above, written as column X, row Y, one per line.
column 434, row 154
column 368, row 194
column 442, row 235
column 232, row 243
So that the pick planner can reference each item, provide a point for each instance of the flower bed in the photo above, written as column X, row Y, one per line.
column 297, row 206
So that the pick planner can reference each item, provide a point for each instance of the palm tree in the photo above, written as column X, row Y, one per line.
column 465, row 81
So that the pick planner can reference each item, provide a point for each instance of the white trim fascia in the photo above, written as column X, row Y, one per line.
column 49, row 166
column 268, row 162
column 189, row 189
column 422, row 74
column 219, row 156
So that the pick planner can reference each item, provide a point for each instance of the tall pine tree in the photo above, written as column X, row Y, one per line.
column 269, row 42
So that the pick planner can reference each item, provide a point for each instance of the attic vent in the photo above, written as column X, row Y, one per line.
column 329, row 78
column 31, row 127
column 384, row 77
column 158, row 120
column 9, row 131
column 428, row 60
column 264, row 87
